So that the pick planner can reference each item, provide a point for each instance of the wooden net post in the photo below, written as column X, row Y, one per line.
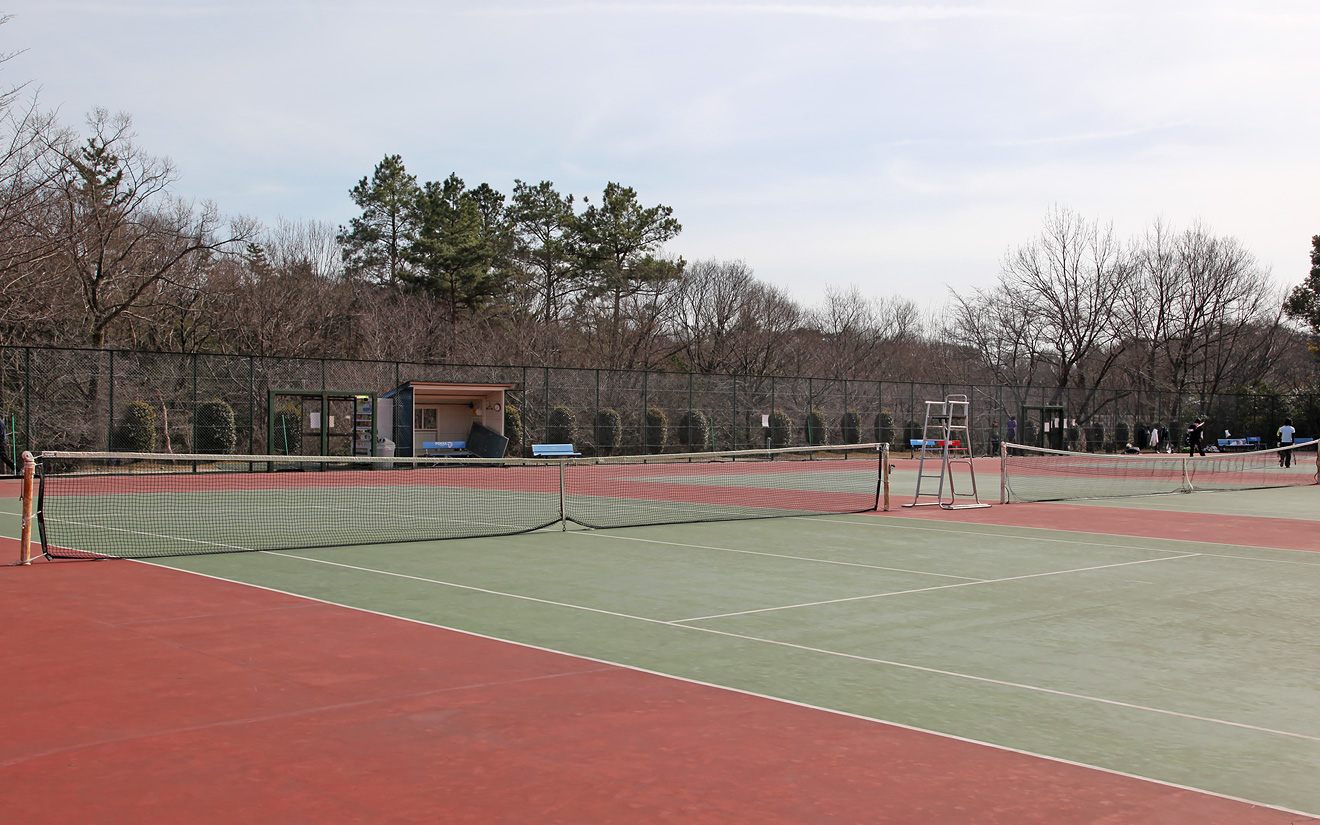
column 29, row 475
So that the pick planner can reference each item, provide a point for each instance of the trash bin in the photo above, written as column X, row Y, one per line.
column 384, row 449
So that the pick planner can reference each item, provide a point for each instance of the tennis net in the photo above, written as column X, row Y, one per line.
column 142, row 505
column 1037, row 474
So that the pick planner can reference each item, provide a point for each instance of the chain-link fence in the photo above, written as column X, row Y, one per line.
column 78, row 399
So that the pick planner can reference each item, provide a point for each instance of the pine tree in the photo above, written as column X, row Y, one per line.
column 377, row 242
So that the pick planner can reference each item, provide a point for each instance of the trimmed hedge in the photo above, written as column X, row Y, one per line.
column 1095, row 438
column 513, row 429
column 288, row 432
column 215, row 430
column 138, row 432
column 850, row 427
column 655, row 430
column 562, row 427
column 694, row 430
column 884, row 427
column 781, row 429
column 608, row 431
column 818, row 432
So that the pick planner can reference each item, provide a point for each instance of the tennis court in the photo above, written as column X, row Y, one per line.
column 1122, row 660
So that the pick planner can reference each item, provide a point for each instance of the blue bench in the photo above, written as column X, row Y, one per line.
column 445, row 448
column 1240, row 444
column 553, row 450
column 930, row 442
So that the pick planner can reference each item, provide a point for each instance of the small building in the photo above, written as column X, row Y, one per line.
column 426, row 412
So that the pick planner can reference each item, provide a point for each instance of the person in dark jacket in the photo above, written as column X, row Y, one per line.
column 1196, row 435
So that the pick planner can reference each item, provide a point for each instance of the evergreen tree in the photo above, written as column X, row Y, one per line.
column 1303, row 302
column 459, row 234
column 619, row 240
column 377, row 242
column 545, row 248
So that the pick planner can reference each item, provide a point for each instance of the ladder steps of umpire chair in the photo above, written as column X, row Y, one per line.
column 951, row 419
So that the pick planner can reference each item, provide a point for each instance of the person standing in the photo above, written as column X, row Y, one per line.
column 1285, row 435
column 1196, row 435
column 4, row 447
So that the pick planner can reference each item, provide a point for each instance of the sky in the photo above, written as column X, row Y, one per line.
column 904, row 148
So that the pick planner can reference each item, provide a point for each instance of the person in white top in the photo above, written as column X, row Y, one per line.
column 1286, row 434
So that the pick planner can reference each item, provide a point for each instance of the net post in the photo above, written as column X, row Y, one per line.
column 885, row 473
column 1003, row 472
column 25, row 542
column 563, row 513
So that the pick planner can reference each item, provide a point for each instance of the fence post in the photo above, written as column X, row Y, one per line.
column 252, row 405
column 733, row 429
column 110, row 407
column 27, row 398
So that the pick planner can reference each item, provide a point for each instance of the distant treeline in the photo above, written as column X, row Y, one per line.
column 96, row 250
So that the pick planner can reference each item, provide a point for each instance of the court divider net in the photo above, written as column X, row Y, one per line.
column 145, row 505
column 1039, row 474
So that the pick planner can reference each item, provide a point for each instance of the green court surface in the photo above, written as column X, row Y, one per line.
column 1186, row 662
column 1282, row 502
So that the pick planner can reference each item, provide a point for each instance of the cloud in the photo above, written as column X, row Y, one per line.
column 871, row 14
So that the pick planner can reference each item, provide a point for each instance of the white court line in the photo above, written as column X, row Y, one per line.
column 890, row 523
column 144, row 533
column 936, row 587
column 822, row 651
column 1058, row 760
column 588, row 534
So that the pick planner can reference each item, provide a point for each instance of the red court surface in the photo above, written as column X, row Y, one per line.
column 1246, row 531
column 139, row 694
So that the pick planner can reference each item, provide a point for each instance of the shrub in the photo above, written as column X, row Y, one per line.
column 216, row 433
column 609, row 431
column 138, row 432
column 911, row 432
column 1027, row 432
column 655, row 430
column 288, row 432
column 1095, row 437
column 817, row 430
column 884, row 427
column 694, row 430
column 562, row 427
column 513, row 429
column 1121, row 434
column 850, row 427
column 781, row 429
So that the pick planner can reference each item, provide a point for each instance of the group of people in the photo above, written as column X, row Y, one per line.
column 1155, row 437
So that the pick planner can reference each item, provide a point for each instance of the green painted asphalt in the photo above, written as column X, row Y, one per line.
column 1185, row 662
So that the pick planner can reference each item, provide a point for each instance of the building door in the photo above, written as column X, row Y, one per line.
column 425, row 424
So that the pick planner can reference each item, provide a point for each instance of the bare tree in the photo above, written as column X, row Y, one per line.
column 863, row 337
column 727, row 321
column 1204, row 313
column 1051, row 316
column 121, row 243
